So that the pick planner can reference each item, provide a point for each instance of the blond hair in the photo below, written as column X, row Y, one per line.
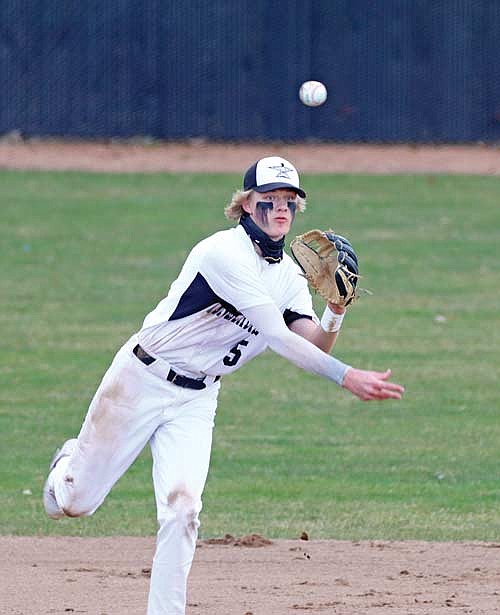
column 235, row 210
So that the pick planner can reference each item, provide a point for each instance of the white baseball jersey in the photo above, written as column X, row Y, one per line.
column 199, row 329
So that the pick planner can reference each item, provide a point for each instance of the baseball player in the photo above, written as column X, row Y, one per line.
column 237, row 294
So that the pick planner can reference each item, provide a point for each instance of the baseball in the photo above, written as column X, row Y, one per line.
column 312, row 93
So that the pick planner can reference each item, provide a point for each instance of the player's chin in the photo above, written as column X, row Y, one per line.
column 281, row 228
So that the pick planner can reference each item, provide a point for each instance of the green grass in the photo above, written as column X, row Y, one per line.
column 85, row 257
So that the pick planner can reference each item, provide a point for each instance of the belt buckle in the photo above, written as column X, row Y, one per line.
column 174, row 378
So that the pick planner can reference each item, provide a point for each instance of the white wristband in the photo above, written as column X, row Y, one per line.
column 331, row 322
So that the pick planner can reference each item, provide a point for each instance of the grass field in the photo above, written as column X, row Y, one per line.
column 85, row 257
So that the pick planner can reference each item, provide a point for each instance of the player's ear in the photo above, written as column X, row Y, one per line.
column 245, row 205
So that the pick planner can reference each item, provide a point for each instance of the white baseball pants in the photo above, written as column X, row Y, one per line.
column 134, row 405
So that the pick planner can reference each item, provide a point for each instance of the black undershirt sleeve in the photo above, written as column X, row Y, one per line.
column 289, row 317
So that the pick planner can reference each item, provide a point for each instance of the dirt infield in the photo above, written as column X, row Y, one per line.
column 205, row 157
column 108, row 576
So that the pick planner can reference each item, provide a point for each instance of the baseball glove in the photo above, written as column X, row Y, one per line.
column 329, row 263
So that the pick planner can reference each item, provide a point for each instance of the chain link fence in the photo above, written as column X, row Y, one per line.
column 404, row 71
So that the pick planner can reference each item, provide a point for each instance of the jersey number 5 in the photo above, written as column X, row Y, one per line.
column 235, row 354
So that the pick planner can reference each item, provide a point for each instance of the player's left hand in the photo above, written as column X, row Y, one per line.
column 329, row 263
column 368, row 385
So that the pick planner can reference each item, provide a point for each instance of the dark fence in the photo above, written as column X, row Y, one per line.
column 396, row 70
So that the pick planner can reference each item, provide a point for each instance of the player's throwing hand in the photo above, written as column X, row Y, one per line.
column 369, row 385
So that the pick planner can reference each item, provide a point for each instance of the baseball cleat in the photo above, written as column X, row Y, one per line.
column 49, row 498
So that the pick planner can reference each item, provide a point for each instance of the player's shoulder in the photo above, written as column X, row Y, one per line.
column 229, row 246
column 225, row 241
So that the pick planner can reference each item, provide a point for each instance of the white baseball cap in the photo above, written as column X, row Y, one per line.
column 272, row 173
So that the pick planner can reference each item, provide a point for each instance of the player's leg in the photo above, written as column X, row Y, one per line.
column 181, row 455
column 123, row 414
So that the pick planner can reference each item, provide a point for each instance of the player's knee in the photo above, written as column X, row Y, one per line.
column 75, row 508
column 78, row 504
column 183, row 509
column 71, row 511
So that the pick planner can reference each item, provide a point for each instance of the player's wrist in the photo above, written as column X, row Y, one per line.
column 336, row 309
column 331, row 321
column 344, row 382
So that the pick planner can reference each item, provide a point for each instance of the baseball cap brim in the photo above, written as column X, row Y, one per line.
column 277, row 186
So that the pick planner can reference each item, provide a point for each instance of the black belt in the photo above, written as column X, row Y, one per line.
column 173, row 377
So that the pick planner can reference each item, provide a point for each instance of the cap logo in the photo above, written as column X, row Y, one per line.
column 282, row 171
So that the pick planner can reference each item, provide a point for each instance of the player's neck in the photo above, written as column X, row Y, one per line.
column 271, row 250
